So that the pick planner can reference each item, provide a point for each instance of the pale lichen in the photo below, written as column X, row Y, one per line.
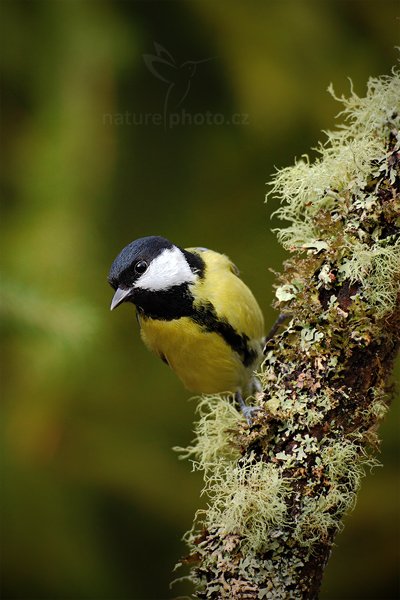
column 343, row 181
column 377, row 270
column 277, row 491
column 247, row 498
column 340, row 465
column 212, row 444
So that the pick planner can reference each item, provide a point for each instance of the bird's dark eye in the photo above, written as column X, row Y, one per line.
column 141, row 267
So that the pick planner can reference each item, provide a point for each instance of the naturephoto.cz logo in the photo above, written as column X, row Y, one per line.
column 177, row 79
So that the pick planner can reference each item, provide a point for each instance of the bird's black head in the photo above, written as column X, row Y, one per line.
column 134, row 260
column 149, row 267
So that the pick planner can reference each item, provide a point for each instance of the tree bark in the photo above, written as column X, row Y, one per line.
column 278, row 490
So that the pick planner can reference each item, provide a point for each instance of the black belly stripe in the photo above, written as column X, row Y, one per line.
column 177, row 302
column 207, row 318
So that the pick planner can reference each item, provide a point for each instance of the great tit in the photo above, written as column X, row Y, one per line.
column 195, row 313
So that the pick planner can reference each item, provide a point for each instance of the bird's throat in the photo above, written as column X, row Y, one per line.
column 166, row 305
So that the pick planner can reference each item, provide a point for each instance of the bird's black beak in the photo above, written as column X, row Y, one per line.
column 119, row 297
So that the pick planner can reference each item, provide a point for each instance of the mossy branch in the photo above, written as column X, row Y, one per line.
column 277, row 492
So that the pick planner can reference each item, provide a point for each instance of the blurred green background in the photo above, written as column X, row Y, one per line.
column 94, row 499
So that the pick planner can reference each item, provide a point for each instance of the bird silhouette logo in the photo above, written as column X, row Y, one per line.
column 177, row 76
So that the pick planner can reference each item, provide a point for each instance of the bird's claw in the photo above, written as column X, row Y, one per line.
column 249, row 413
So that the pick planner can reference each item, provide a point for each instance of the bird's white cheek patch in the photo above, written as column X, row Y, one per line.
column 168, row 269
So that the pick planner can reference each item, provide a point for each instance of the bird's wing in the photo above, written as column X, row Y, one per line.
column 231, row 298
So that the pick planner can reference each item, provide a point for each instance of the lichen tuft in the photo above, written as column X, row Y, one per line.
column 277, row 491
column 218, row 417
column 342, row 182
column 247, row 498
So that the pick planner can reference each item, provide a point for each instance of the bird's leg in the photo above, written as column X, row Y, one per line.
column 257, row 387
column 248, row 411
column 282, row 317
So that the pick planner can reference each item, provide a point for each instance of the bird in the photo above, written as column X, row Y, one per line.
column 195, row 313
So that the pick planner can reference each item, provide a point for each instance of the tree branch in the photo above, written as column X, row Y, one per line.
column 278, row 491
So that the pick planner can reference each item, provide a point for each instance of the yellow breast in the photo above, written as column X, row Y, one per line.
column 202, row 360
